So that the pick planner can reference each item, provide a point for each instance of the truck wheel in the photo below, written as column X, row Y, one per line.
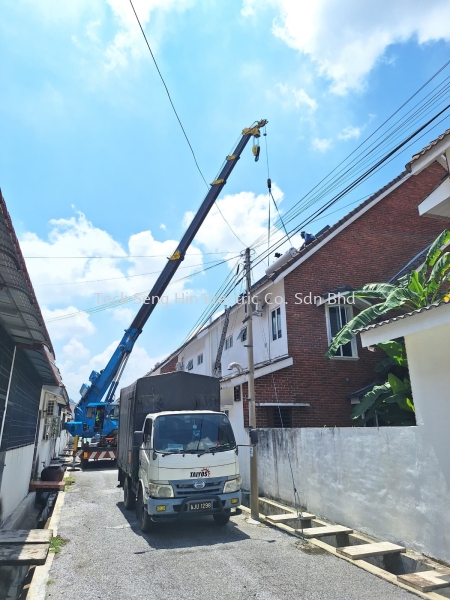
column 142, row 515
column 221, row 519
column 129, row 499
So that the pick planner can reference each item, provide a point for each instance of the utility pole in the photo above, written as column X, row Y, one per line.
column 254, row 499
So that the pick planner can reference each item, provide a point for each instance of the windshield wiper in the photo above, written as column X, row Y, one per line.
column 220, row 448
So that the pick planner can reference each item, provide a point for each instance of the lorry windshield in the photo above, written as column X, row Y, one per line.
column 192, row 433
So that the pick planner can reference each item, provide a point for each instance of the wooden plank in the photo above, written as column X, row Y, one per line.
column 366, row 550
column 47, row 485
column 289, row 517
column 26, row 536
column 427, row 581
column 317, row 532
column 28, row 554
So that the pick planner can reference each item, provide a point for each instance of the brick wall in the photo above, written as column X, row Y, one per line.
column 371, row 249
column 170, row 366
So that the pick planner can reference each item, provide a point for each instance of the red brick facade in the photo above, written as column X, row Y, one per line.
column 373, row 248
column 170, row 366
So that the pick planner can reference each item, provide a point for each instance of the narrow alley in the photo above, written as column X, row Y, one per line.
column 106, row 556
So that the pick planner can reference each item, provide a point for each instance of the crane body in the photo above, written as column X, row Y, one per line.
column 96, row 411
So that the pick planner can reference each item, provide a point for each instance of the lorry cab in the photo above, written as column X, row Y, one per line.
column 187, row 466
column 177, row 454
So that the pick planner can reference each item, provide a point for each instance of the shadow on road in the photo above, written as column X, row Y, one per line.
column 99, row 465
column 186, row 533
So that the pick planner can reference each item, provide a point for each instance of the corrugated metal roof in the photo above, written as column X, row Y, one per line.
column 425, row 150
column 20, row 314
column 401, row 317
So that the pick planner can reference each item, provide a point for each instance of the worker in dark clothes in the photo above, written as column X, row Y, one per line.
column 307, row 237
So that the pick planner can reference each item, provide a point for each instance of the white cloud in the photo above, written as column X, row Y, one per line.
column 247, row 215
column 292, row 97
column 60, row 280
column 346, row 39
column 322, row 145
column 163, row 227
column 123, row 314
column 77, row 326
column 138, row 365
column 128, row 41
column 75, row 351
column 349, row 133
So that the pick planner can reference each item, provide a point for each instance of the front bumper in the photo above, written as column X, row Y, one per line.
column 176, row 508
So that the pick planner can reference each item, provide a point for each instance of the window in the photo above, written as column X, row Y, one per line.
column 190, row 365
column 276, row 324
column 200, row 359
column 237, row 393
column 50, row 407
column 338, row 316
column 148, row 431
column 229, row 342
column 243, row 334
column 279, row 416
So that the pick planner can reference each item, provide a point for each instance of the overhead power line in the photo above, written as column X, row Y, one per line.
column 179, row 120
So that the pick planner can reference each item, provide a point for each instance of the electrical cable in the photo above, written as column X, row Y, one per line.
column 217, row 263
column 125, row 300
column 299, row 203
column 178, row 118
column 361, row 178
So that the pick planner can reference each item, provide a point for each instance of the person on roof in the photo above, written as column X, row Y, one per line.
column 307, row 237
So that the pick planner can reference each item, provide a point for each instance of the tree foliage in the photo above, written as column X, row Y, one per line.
column 419, row 288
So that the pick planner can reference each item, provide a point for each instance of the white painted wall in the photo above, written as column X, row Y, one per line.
column 392, row 482
column 16, row 477
column 265, row 348
column 235, row 414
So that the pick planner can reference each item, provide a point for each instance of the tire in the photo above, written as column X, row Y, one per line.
column 221, row 519
column 145, row 523
column 129, row 499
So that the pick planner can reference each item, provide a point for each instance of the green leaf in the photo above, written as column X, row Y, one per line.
column 384, row 365
column 369, row 398
column 375, row 290
column 407, row 404
column 414, row 285
column 435, row 250
column 395, row 351
column 398, row 386
column 437, row 275
column 368, row 315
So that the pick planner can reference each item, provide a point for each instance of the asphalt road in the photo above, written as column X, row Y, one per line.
column 107, row 557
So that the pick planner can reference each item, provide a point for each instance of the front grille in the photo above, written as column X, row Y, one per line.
column 183, row 489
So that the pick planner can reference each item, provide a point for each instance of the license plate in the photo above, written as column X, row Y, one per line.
column 200, row 506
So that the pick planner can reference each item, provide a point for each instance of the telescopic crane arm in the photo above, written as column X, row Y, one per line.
column 105, row 383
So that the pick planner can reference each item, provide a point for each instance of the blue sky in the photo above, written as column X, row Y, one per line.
column 93, row 163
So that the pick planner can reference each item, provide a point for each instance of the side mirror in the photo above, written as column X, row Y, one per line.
column 253, row 436
column 138, row 439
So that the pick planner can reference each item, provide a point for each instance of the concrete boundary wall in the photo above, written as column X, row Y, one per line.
column 384, row 482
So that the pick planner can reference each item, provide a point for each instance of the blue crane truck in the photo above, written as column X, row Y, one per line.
column 177, row 455
column 96, row 414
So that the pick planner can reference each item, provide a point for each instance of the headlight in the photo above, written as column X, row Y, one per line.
column 233, row 485
column 157, row 490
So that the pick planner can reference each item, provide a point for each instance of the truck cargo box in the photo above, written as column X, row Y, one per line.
column 167, row 392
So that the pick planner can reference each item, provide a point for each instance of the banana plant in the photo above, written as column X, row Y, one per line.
column 419, row 288
column 382, row 398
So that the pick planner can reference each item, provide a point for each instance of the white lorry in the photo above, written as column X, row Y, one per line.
column 177, row 455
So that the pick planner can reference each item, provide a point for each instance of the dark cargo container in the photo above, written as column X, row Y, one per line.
column 168, row 392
